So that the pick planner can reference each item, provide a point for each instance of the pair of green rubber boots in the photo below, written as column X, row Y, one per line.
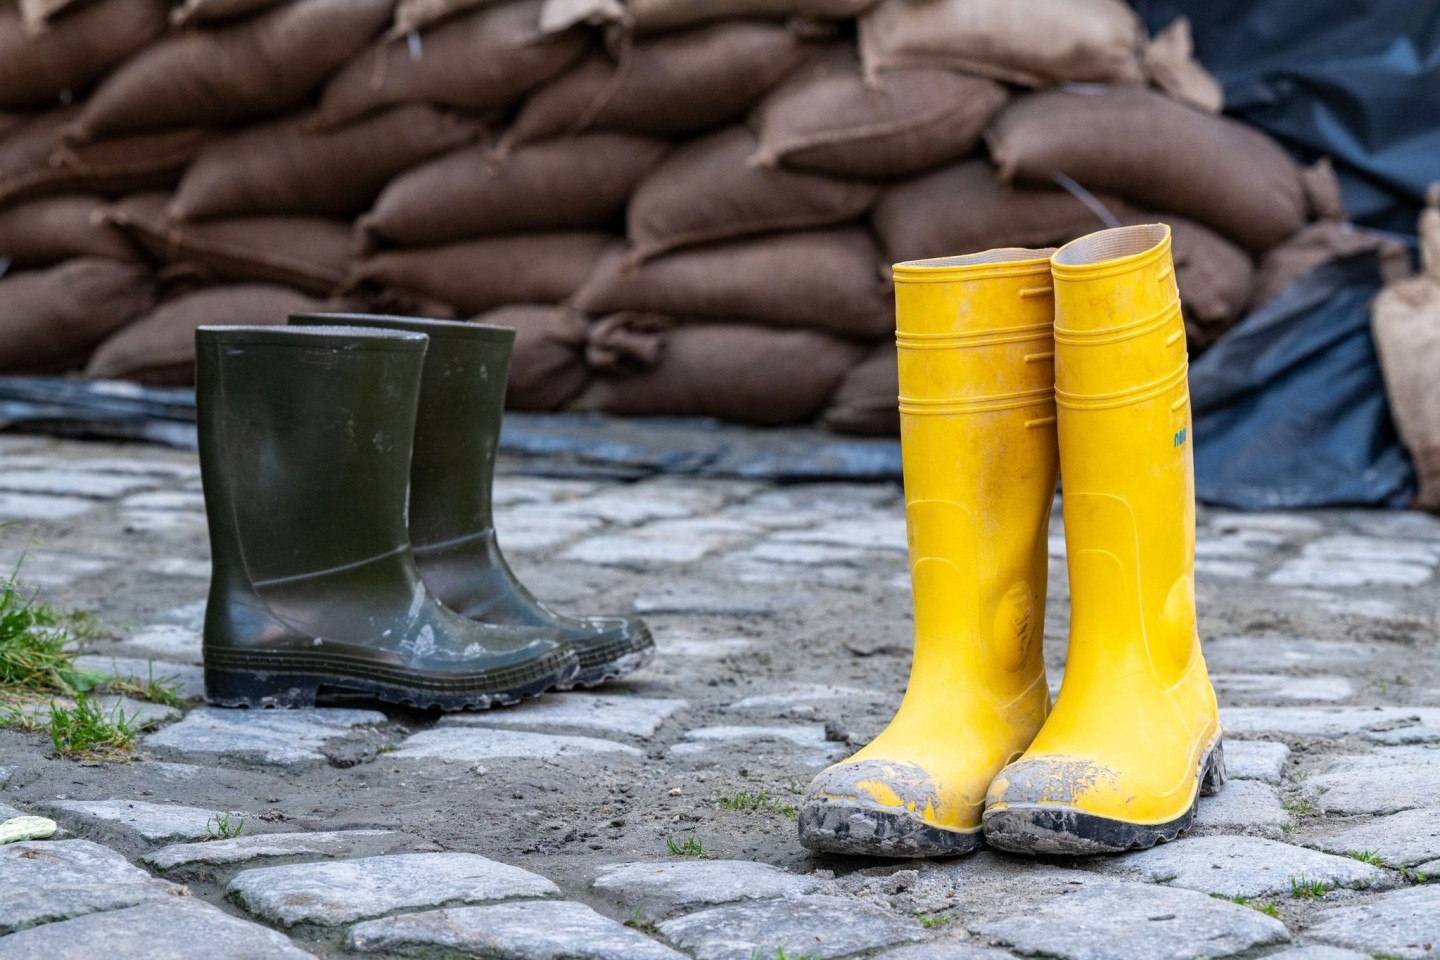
column 347, row 463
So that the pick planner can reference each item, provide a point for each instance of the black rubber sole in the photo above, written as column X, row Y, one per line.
column 292, row 686
column 830, row 826
column 607, row 661
column 1052, row 830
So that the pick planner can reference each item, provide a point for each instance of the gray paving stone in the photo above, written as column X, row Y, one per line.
column 621, row 550
column 46, row 880
column 1317, row 953
column 703, row 648
column 632, row 505
column 338, row 843
column 161, row 521
column 39, row 507
column 707, row 598
column 1290, row 525
column 1122, row 921
column 534, row 529
column 186, row 679
column 6, row 772
column 1391, row 549
column 1262, row 760
column 816, row 926
column 166, row 500
column 1267, row 687
column 51, row 569
column 337, row 892
column 473, row 744
column 1328, row 572
column 166, row 641
column 1387, row 780
column 72, row 483
column 1402, row 839
column 542, row 930
column 172, row 929
column 9, row 813
column 152, row 822
column 658, row 890
column 809, row 737
column 1403, row 923
column 1381, row 724
column 806, row 554
column 1241, row 653
column 180, row 567
column 597, row 712
column 787, row 699
column 1325, row 601
column 945, row 951
column 1229, row 569
column 1243, row 806
column 883, row 533
column 1245, row 867
column 282, row 737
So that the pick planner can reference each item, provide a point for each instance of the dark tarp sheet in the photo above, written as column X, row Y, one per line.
column 1356, row 80
column 1289, row 406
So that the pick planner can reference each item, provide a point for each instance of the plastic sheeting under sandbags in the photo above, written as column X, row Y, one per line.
column 1290, row 408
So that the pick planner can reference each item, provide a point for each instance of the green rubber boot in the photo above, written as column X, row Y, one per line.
column 452, row 528
column 305, row 441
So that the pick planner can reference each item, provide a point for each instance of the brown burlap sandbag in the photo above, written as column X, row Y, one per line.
column 415, row 15
column 45, row 231
column 730, row 371
column 709, row 190
column 669, row 86
column 867, row 401
column 33, row 162
column 476, row 275
column 547, row 367
column 76, row 50
column 827, row 118
column 159, row 347
column 654, row 15
column 579, row 181
column 281, row 168
column 480, row 61
column 37, row 14
column 828, row 279
column 205, row 12
column 1029, row 42
column 1214, row 276
column 307, row 253
column 1321, row 242
column 1405, row 320
column 253, row 68
column 963, row 209
column 1170, row 62
column 52, row 319
column 1159, row 153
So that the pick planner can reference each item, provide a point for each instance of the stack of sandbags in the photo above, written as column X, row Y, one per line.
column 683, row 208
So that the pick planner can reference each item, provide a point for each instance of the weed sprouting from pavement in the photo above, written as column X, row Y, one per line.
column 933, row 920
column 1299, row 807
column 689, row 847
column 84, row 732
column 638, row 921
column 223, row 826
column 1414, row 876
column 780, row 954
column 33, row 635
column 161, row 690
column 1302, row 889
column 757, row 801
column 1368, row 856
column 1269, row 909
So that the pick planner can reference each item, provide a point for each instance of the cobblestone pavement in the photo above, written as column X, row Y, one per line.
column 652, row 818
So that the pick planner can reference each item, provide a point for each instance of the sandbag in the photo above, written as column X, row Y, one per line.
column 414, row 15
column 1214, row 276
column 669, row 86
column 547, row 366
column 730, row 371
column 476, row 275
column 280, row 167
column 37, row 14
column 1030, row 42
column 1321, row 242
column 54, row 318
column 1405, row 320
column 653, row 15
column 73, row 52
column 159, row 347
column 481, row 61
column 206, row 12
column 33, row 162
column 867, row 401
column 253, row 68
column 827, row 279
column 308, row 253
column 1171, row 64
column 828, row 118
column 581, row 181
column 708, row 190
column 1159, row 153
column 963, row 209
column 45, row 231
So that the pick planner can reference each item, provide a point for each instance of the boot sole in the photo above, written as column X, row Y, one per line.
column 609, row 670
column 827, row 826
column 282, row 687
column 1054, row 830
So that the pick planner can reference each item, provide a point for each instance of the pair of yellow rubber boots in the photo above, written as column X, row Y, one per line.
column 1013, row 364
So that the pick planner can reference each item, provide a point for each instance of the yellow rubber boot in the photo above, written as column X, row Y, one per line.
column 977, row 430
column 1135, row 736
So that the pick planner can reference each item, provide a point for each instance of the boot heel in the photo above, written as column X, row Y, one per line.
column 1214, row 770
column 230, row 688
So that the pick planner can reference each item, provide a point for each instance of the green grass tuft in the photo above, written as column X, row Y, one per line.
column 689, row 847
column 33, row 658
column 1368, row 856
column 84, row 732
column 758, row 801
column 223, row 826
column 1302, row 889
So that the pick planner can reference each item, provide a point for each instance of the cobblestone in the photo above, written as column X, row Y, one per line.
column 462, row 741
column 188, row 681
column 511, row 931
column 283, row 737
column 46, row 880
column 339, row 892
column 151, row 822
column 338, row 843
column 816, row 926
column 1402, row 840
column 657, row 890
column 1246, row 867
column 596, row 713
column 1384, row 781
column 1403, row 923
column 1256, row 760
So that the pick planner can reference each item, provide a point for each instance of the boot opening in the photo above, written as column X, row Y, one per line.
column 1113, row 244
column 1003, row 255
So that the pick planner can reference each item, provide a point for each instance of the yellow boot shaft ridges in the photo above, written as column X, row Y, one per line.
column 980, row 461
column 1136, row 712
